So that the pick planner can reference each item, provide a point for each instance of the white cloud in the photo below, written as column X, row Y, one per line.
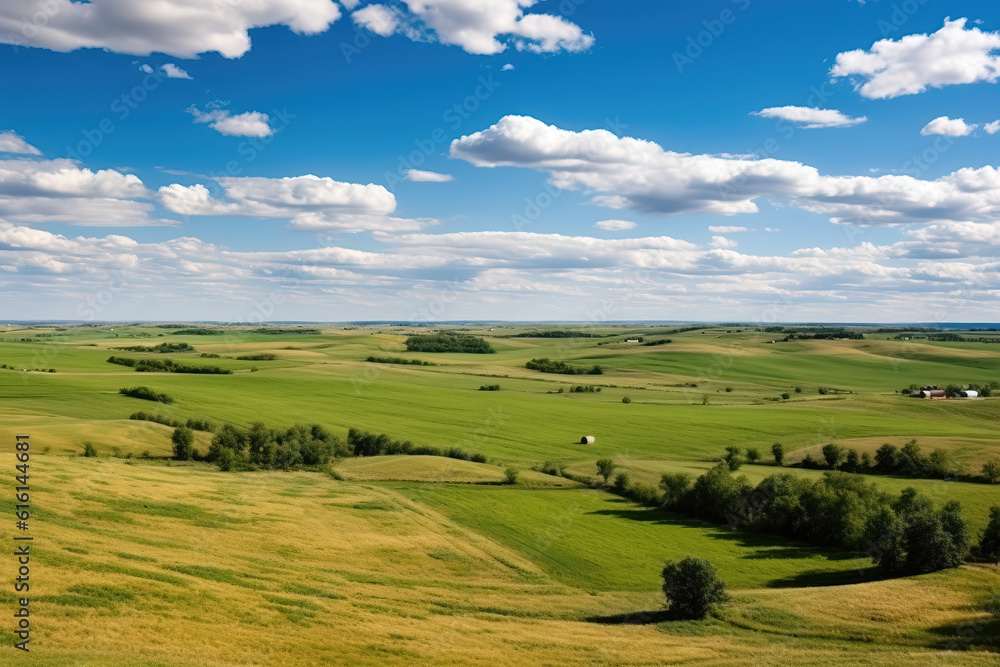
column 41, row 191
column 640, row 175
column 993, row 127
column 380, row 19
column 727, row 229
column 310, row 203
column 146, row 69
column 950, row 56
column 948, row 127
column 615, row 225
column 476, row 26
column 249, row 124
column 180, row 28
column 12, row 142
column 771, row 230
column 722, row 243
column 506, row 68
column 174, row 72
column 420, row 176
column 810, row 118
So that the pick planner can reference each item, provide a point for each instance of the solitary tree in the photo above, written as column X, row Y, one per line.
column 692, row 587
column 753, row 455
column 832, row 453
column 510, row 476
column 779, row 452
column 606, row 468
column 183, row 441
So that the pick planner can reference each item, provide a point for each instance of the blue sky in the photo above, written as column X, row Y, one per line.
column 576, row 160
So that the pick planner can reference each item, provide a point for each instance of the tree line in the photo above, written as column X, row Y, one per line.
column 400, row 360
column 193, row 424
column 839, row 510
column 546, row 365
column 166, row 366
column 162, row 348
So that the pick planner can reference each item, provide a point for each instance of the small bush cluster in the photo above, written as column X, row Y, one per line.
column 260, row 356
column 145, row 393
column 584, row 389
column 193, row 424
column 546, row 365
column 489, row 387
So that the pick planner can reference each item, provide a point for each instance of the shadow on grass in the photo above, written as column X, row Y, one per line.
column 635, row 618
column 983, row 635
column 760, row 546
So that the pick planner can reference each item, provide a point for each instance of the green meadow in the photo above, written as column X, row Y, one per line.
column 142, row 560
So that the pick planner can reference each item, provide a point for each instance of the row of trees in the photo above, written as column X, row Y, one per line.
column 400, row 360
column 146, row 393
column 364, row 443
column 194, row 424
column 448, row 342
column 162, row 348
column 546, row 365
column 166, row 366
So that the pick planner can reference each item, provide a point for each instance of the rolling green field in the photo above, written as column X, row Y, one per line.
column 141, row 560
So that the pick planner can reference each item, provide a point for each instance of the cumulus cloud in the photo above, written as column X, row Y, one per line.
column 145, row 68
column 12, row 142
column 948, row 127
column 615, row 225
column 507, row 67
column 993, row 127
column 952, row 55
column 380, row 19
column 248, row 124
column 40, row 191
column 810, row 118
column 178, row 27
column 420, row 176
column 723, row 243
column 640, row 175
column 174, row 72
column 482, row 27
column 309, row 202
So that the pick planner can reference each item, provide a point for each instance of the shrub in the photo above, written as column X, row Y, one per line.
column 626, row 400
column 991, row 471
column 489, row 387
column 510, row 476
column 145, row 393
column 786, row 396
column 621, row 483
column 89, row 449
column 605, row 468
column 675, row 485
column 753, row 455
column 692, row 588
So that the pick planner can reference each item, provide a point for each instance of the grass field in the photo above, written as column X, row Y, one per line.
column 139, row 560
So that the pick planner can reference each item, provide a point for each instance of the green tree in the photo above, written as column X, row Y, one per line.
column 621, row 483
column 852, row 462
column 606, row 468
column 886, row 459
column 510, row 476
column 778, row 450
column 832, row 453
column 733, row 458
column 183, row 443
column 989, row 544
column 692, row 587
column 991, row 471
column 884, row 536
column 675, row 485
column 753, row 455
